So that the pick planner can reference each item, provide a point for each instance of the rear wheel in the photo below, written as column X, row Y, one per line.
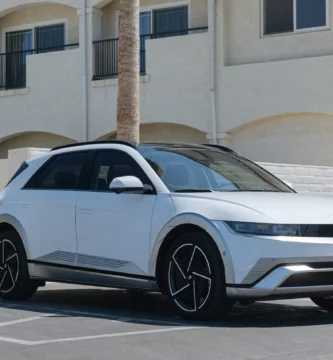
column 325, row 303
column 15, row 283
column 194, row 278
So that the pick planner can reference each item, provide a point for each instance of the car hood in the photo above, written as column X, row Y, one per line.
column 287, row 208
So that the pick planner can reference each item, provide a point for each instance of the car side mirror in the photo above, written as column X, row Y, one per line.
column 127, row 184
column 289, row 184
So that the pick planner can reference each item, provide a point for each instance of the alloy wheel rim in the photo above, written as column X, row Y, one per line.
column 9, row 266
column 189, row 278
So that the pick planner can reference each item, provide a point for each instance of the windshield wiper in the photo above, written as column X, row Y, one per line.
column 193, row 191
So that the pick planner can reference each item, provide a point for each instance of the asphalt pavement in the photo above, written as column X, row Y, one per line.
column 81, row 323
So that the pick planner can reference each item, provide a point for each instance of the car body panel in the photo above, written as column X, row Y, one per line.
column 259, row 207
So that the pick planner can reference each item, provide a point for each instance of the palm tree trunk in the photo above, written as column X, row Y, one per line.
column 128, row 106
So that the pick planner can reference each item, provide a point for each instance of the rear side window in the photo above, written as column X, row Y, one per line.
column 20, row 170
column 63, row 172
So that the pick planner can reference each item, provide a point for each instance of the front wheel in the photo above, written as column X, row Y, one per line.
column 325, row 303
column 194, row 278
column 15, row 282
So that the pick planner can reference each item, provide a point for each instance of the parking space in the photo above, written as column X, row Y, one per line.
column 82, row 323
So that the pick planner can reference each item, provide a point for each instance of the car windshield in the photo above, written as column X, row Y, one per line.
column 204, row 170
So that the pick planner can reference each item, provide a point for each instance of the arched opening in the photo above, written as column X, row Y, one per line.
column 32, row 139
column 167, row 132
column 26, row 19
column 298, row 138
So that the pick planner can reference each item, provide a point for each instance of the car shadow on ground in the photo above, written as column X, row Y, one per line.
column 152, row 308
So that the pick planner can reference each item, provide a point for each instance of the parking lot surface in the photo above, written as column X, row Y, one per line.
column 81, row 323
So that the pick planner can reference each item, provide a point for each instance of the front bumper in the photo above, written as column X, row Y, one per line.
column 277, row 267
column 288, row 282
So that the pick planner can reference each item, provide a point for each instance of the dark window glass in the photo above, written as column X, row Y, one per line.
column 311, row 13
column 18, row 46
column 50, row 38
column 62, row 173
column 171, row 22
column 278, row 16
column 187, row 169
column 111, row 164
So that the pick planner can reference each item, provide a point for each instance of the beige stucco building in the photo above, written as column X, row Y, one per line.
column 233, row 73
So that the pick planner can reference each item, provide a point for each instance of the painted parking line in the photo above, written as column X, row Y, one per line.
column 96, row 337
column 20, row 321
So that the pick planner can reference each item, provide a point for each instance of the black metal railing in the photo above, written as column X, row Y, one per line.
column 13, row 69
column 106, row 52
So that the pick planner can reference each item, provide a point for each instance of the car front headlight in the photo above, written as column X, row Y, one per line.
column 264, row 229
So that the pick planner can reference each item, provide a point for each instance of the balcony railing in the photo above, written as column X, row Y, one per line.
column 106, row 52
column 13, row 68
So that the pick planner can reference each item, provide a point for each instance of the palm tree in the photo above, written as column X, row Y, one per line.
column 128, row 106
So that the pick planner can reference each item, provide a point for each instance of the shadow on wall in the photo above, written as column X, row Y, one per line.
column 302, row 138
column 167, row 132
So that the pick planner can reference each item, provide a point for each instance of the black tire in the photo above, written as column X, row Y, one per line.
column 193, row 267
column 325, row 303
column 15, row 282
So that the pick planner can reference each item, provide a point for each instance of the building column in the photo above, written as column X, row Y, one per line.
column 92, row 29
column 93, row 33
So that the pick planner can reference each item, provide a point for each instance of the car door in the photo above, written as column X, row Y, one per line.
column 113, row 230
column 47, row 213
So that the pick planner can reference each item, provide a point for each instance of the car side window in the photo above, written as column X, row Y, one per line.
column 62, row 172
column 111, row 164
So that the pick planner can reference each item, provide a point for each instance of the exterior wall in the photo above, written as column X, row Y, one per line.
column 51, row 102
column 291, row 138
column 256, row 91
column 165, row 96
column 244, row 45
column 198, row 14
column 305, row 179
column 169, row 132
column 43, row 13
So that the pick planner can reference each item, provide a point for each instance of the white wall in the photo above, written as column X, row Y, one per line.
column 303, row 138
column 305, row 179
column 51, row 102
column 244, row 45
column 175, row 90
column 257, row 91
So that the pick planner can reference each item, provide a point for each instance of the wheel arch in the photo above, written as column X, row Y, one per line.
column 9, row 222
column 182, row 224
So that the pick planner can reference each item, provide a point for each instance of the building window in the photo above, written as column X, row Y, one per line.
column 41, row 38
column 291, row 16
column 163, row 22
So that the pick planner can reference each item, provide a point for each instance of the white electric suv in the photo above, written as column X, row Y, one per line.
column 199, row 223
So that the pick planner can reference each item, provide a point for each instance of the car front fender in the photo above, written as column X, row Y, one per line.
column 15, row 223
column 205, row 224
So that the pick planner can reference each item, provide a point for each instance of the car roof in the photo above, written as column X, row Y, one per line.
column 141, row 147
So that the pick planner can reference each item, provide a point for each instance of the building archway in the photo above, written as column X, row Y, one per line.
column 296, row 138
column 167, row 132
column 34, row 13
column 33, row 140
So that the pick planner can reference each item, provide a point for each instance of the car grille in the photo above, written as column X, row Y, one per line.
column 323, row 231
column 309, row 279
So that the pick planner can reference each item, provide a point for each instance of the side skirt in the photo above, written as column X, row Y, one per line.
column 88, row 276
